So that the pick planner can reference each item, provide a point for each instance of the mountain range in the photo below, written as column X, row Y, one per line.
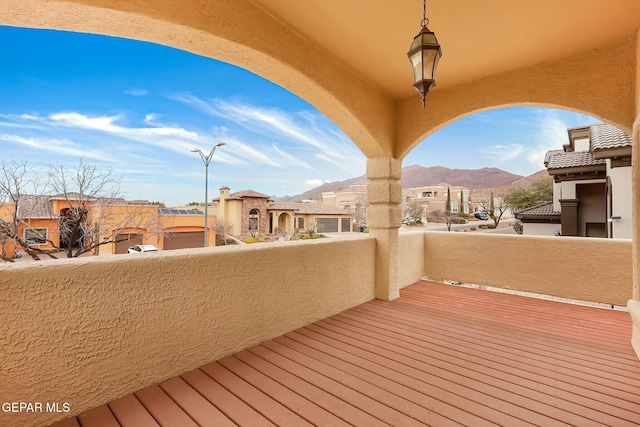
column 420, row 176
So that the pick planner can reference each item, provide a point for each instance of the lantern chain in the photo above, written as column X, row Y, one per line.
column 425, row 20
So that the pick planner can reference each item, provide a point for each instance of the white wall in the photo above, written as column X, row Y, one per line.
column 621, row 183
column 532, row 229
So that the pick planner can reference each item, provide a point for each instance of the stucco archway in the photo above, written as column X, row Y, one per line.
column 285, row 222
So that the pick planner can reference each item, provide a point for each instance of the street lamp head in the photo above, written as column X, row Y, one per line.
column 220, row 144
column 195, row 150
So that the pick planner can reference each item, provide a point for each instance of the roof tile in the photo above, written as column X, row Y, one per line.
column 605, row 136
column 561, row 160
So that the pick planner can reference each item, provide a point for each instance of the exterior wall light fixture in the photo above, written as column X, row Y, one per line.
column 424, row 54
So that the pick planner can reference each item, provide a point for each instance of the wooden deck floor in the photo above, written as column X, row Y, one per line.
column 439, row 355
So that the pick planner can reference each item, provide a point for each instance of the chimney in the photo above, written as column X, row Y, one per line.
column 222, row 206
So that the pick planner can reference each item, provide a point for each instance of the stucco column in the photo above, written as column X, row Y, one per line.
column 383, row 219
column 634, row 303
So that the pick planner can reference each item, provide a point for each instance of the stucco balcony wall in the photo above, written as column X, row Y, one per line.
column 87, row 331
column 586, row 269
column 411, row 258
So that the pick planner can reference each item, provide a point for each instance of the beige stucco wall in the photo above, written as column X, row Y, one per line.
column 86, row 331
column 410, row 258
column 597, row 270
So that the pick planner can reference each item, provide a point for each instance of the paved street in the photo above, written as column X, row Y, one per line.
column 505, row 227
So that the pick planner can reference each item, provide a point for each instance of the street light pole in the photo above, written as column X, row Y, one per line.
column 206, row 159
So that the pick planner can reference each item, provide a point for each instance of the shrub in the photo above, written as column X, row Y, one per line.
column 474, row 228
column 250, row 240
column 221, row 242
column 491, row 226
column 307, row 236
column 517, row 226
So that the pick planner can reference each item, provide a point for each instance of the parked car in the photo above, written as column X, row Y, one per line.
column 481, row 215
column 142, row 248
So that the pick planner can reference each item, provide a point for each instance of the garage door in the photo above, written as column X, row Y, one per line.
column 346, row 225
column 128, row 240
column 190, row 239
column 327, row 225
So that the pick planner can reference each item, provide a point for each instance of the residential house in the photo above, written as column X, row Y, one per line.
column 434, row 198
column 353, row 198
column 592, row 187
column 246, row 212
column 121, row 223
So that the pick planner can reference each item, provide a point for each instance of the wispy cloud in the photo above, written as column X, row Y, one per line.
column 59, row 146
column 291, row 159
column 136, row 92
column 500, row 154
column 545, row 129
column 302, row 130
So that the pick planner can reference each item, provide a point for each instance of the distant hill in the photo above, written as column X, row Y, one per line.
column 522, row 182
column 418, row 176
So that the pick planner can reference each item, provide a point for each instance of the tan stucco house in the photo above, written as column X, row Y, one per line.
column 247, row 212
column 434, row 198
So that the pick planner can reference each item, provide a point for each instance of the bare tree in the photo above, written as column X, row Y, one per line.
column 413, row 213
column 494, row 206
column 222, row 229
column 95, row 214
column 89, row 210
column 360, row 210
column 92, row 212
column 17, row 206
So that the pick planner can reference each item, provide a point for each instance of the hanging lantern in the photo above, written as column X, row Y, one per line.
column 424, row 54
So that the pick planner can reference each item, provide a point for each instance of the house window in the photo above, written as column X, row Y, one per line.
column 454, row 208
column 427, row 194
column 253, row 220
column 35, row 236
column 301, row 223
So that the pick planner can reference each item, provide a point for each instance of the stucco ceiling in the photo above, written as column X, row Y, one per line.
column 479, row 38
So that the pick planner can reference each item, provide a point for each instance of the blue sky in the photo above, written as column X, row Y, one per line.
column 140, row 108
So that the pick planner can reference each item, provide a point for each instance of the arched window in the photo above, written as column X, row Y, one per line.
column 253, row 220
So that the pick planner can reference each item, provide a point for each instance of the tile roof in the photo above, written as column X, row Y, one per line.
column 606, row 136
column 545, row 209
column 561, row 160
column 238, row 195
column 549, row 154
column 313, row 208
column 71, row 195
column 30, row 206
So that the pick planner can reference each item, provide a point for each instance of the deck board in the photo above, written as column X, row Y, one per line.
column 130, row 413
column 193, row 403
column 439, row 355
